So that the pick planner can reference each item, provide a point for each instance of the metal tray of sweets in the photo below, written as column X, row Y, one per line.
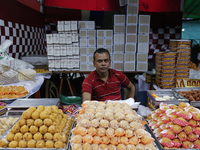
column 70, row 134
column 159, row 146
column 35, row 102
column 5, row 134
column 11, row 116
column 192, row 103
column 176, row 100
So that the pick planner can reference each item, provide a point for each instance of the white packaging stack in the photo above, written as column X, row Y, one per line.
column 88, row 43
column 105, row 40
column 63, row 47
column 143, row 43
column 131, row 31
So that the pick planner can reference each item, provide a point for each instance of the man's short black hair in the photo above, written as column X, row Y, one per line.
column 101, row 50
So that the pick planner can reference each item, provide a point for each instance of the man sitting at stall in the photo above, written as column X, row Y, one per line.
column 105, row 83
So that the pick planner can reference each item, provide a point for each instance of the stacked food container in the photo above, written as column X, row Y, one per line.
column 182, row 47
column 165, row 69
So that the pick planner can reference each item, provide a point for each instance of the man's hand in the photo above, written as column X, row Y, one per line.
column 86, row 96
column 131, row 90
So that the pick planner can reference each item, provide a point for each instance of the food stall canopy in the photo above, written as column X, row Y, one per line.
column 113, row 5
column 95, row 5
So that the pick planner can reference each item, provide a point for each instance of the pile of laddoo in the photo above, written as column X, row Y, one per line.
column 41, row 127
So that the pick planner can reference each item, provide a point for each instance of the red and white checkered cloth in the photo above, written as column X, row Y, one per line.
column 159, row 40
column 26, row 39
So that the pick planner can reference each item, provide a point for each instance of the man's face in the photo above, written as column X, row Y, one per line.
column 102, row 62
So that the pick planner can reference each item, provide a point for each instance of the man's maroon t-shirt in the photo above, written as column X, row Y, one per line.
column 101, row 90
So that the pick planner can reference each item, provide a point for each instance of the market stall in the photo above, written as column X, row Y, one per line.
column 171, row 118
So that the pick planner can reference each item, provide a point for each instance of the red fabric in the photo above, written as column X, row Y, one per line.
column 109, row 90
column 14, row 11
column 31, row 3
column 113, row 5
column 95, row 5
column 159, row 5
column 54, row 14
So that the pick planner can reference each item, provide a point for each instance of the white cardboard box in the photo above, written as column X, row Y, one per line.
column 75, row 44
column 90, row 58
column 68, row 38
column 119, row 38
column 74, row 37
column 91, row 50
column 75, row 50
column 132, row 2
column 132, row 29
column 118, row 28
column 91, row 33
column 83, row 42
column 122, row 2
column 56, row 38
column 49, row 38
column 83, row 58
column 83, row 66
column 131, row 19
column 129, row 66
column 63, row 50
column 83, row 50
column 109, row 48
column 57, row 63
column 69, row 50
column 67, row 22
column 131, row 38
column 90, row 25
column 91, row 42
column 60, row 27
column 51, row 63
column 142, row 66
column 82, row 24
column 129, row 57
column 108, row 42
column 74, row 26
column 119, row 19
column 118, row 65
column 130, row 47
column 67, row 27
column 50, row 50
column 132, row 10
column 118, row 48
column 100, row 34
column 142, row 57
column 143, row 48
column 144, row 19
column 83, row 33
column 57, row 51
column 104, row 34
column 144, row 29
column 62, row 38
column 91, row 67
column 118, row 57
column 143, row 38
column 108, row 33
column 100, row 43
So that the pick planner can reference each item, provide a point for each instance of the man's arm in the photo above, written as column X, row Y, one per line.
column 131, row 90
column 86, row 96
